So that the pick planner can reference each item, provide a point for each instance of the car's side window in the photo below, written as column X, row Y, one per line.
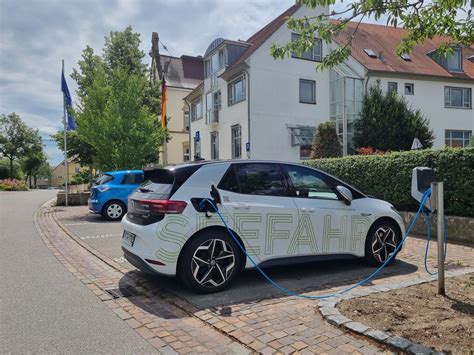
column 229, row 181
column 261, row 179
column 132, row 179
column 309, row 183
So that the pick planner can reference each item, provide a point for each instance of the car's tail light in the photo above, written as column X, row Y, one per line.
column 103, row 188
column 162, row 206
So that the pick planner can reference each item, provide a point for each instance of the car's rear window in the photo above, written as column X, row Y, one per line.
column 104, row 179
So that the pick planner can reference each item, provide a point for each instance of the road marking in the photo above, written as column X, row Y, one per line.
column 99, row 236
column 82, row 223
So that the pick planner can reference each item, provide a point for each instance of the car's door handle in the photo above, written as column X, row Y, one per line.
column 307, row 209
column 239, row 206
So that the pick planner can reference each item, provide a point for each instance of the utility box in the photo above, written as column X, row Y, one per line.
column 421, row 180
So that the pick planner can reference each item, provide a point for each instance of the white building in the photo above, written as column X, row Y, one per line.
column 251, row 105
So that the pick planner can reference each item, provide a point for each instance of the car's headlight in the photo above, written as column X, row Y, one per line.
column 103, row 188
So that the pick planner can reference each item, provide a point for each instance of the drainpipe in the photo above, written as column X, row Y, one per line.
column 248, row 112
column 189, row 129
column 367, row 82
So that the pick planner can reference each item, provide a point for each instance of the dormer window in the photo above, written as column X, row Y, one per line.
column 451, row 62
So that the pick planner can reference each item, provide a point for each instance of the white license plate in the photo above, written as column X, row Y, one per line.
column 128, row 238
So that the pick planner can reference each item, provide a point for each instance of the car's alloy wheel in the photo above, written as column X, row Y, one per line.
column 213, row 263
column 210, row 261
column 381, row 242
column 114, row 211
column 384, row 243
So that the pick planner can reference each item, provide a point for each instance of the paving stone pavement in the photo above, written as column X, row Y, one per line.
column 171, row 324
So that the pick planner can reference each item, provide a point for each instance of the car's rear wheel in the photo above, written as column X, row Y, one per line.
column 381, row 242
column 114, row 210
column 210, row 262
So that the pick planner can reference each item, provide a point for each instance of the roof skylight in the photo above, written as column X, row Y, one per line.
column 406, row 56
column 370, row 53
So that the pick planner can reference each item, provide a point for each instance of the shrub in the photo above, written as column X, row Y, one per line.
column 387, row 122
column 12, row 185
column 325, row 142
column 388, row 176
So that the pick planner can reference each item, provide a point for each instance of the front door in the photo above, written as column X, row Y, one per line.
column 256, row 197
column 325, row 221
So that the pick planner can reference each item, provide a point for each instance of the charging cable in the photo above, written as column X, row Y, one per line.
column 428, row 237
column 291, row 293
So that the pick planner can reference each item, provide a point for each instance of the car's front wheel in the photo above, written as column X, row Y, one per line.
column 114, row 210
column 381, row 242
column 210, row 262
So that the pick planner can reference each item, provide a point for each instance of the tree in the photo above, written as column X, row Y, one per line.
column 387, row 123
column 123, row 132
column 102, row 77
column 17, row 140
column 77, row 148
column 325, row 142
column 32, row 163
column 422, row 19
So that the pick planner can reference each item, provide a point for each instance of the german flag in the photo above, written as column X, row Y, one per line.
column 163, row 104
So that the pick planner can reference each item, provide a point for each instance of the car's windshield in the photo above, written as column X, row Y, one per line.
column 104, row 179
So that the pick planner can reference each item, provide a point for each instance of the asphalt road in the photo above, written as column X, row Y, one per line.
column 43, row 308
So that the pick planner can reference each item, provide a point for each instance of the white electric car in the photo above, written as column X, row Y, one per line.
column 280, row 212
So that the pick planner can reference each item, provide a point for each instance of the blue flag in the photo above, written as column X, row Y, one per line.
column 71, row 124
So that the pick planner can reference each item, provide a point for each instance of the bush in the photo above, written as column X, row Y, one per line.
column 325, row 142
column 388, row 176
column 12, row 185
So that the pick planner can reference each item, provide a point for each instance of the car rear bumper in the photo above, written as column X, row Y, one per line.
column 136, row 261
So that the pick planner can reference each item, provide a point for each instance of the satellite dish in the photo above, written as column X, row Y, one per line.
column 416, row 144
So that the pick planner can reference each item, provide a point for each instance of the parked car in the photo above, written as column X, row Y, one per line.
column 109, row 196
column 281, row 212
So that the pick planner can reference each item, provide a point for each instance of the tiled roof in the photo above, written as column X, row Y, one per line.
column 383, row 40
column 185, row 72
column 258, row 38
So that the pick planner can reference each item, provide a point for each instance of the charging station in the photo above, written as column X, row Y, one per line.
column 422, row 179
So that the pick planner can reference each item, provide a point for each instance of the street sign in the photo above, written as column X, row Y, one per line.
column 247, row 147
column 197, row 136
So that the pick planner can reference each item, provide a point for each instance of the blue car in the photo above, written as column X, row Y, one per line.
column 109, row 196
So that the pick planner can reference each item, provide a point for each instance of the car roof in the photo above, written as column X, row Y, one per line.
column 120, row 172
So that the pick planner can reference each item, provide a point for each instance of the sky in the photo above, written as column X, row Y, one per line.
column 36, row 35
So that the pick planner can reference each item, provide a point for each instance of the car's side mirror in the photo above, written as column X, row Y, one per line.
column 345, row 193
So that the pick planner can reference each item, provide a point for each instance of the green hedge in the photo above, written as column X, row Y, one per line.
column 388, row 176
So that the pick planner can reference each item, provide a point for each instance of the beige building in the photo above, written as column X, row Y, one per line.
column 57, row 178
column 182, row 75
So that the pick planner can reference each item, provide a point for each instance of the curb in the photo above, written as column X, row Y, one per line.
column 329, row 311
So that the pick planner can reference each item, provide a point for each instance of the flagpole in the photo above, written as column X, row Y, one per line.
column 65, row 148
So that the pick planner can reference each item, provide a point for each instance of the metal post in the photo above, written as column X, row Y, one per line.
column 65, row 150
column 440, row 212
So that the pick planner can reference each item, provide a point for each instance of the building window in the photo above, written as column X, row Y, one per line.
column 236, row 90
column 186, row 154
column 214, row 145
column 196, row 110
column 314, row 54
column 459, row 139
column 307, row 91
column 451, row 62
column 186, row 120
column 392, row 87
column 409, row 89
column 305, row 152
column 457, row 97
column 197, row 147
column 236, row 139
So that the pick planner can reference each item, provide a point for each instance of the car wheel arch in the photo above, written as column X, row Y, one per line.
column 210, row 228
